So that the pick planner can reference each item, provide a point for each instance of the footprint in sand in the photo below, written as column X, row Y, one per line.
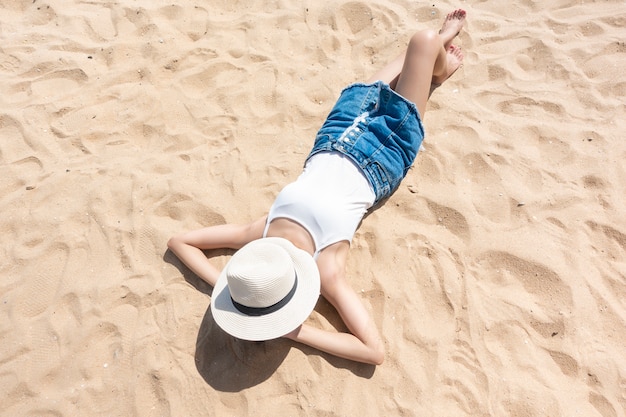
column 603, row 405
column 488, row 192
column 357, row 15
column 180, row 206
column 464, row 384
column 605, row 236
column 193, row 22
column 546, row 289
column 40, row 15
column 451, row 219
column 43, row 278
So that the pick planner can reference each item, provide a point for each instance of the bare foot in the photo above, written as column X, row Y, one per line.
column 454, row 57
column 452, row 26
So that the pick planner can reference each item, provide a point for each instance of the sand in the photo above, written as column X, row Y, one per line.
column 496, row 273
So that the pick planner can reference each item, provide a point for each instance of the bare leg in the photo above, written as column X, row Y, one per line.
column 390, row 73
column 429, row 58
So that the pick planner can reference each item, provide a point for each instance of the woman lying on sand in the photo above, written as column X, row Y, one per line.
column 285, row 259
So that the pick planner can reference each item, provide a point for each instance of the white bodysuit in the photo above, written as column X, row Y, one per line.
column 328, row 199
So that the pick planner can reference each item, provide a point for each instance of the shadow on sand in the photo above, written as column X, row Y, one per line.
column 231, row 365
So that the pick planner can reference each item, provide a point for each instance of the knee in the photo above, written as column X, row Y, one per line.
column 425, row 36
column 378, row 355
column 174, row 242
column 425, row 39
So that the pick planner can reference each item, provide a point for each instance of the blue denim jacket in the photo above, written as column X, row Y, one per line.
column 378, row 129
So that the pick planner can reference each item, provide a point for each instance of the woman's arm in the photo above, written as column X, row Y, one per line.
column 364, row 343
column 343, row 345
column 188, row 246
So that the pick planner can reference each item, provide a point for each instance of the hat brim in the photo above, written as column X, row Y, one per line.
column 276, row 324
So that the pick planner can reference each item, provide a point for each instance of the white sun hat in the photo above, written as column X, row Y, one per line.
column 267, row 289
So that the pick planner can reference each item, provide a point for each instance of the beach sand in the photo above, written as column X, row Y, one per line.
column 496, row 274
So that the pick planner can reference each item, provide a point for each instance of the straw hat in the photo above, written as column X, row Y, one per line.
column 267, row 289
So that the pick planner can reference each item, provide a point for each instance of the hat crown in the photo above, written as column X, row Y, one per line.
column 260, row 275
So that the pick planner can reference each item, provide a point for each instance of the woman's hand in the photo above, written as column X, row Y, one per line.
column 188, row 247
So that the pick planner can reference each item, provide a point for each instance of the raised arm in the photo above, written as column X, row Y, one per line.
column 188, row 246
column 363, row 343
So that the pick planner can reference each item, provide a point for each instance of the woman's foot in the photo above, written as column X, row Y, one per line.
column 454, row 59
column 451, row 27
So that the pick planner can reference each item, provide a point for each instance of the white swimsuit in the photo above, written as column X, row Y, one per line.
column 328, row 199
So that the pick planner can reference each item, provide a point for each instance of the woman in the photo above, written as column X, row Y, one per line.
column 284, row 259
